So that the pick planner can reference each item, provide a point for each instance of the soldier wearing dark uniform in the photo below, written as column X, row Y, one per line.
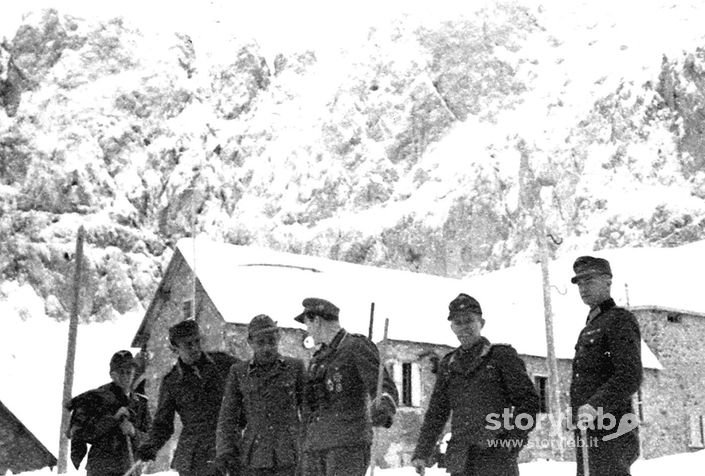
column 112, row 419
column 607, row 372
column 342, row 377
column 259, row 423
column 478, row 384
column 193, row 388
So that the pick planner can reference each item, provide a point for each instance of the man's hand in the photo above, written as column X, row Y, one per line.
column 123, row 412
column 419, row 465
column 382, row 411
column 587, row 414
column 126, row 427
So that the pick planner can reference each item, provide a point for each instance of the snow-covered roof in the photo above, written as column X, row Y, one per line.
column 244, row 281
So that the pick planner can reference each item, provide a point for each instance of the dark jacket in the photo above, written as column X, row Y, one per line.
column 341, row 377
column 195, row 395
column 471, row 385
column 93, row 423
column 607, row 367
column 265, row 402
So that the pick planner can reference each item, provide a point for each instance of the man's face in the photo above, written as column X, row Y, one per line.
column 313, row 326
column 594, row 289
column 123, row 377
column 188, row 349
column 265, row 347
column 467, row 327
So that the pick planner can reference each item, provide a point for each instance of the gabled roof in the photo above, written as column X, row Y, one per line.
column 48, row 458
column 243, row 281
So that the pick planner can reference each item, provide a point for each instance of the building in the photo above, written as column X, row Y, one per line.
column 234, row 283
column 20, row 450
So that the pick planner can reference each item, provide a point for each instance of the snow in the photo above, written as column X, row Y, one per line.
column 33, row 358
column 687, row 464
column 417, row 304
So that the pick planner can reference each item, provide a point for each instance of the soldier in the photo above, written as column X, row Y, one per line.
column 341, row 376
column 259, row 421
column 606, row 373
column 478, row 384
column 111, row 418
column 193, row 389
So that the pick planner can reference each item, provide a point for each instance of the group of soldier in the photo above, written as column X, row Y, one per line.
column 273, row 416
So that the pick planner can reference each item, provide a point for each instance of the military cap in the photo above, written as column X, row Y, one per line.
column 122, row 359
column 188, row 328
column 463, row 304
column 319, row 307
column 586, row 266
column 261, row 324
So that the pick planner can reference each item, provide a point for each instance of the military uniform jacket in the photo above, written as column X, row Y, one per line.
column 607, row 367
column 346, row 374
column 109, row 451
column 195, row 393
column 260, row 414
column 472, row 384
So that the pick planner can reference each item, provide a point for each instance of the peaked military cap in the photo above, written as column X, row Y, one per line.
column 318, row 307
column 261, row 324
column 122, row 359
column 586, row 266
column 188, row 328
column 463, row 304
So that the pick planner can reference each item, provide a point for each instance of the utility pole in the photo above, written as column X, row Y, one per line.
column 70, row 355
column 530, row 195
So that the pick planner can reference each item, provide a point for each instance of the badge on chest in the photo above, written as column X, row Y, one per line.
column 334, row 383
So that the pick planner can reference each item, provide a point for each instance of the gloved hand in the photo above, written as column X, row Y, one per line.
column 146, row 453
column 382, row 412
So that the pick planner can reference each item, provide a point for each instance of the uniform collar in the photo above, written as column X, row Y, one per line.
column 604, row 306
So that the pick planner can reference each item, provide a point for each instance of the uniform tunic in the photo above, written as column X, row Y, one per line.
column 607, row 372
column 195, row 393
column 260, row 415
column 471, row 385
column 342, row 377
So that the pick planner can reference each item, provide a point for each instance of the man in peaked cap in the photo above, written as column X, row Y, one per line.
column 478, row 384
column 342, row 375
column 259, row 424
column 111, row 418
column 193, row 388
column 607, row 371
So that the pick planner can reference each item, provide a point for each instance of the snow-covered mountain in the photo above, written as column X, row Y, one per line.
column 408, row 135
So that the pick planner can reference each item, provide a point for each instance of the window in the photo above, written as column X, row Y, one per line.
column 674, row 317
column 695, row 428
column 407, row 377
column 541, row 384
column 187, row 309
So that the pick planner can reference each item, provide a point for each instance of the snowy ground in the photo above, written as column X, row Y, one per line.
column 690, row 464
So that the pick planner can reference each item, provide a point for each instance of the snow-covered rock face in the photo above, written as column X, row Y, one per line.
column 422, row 144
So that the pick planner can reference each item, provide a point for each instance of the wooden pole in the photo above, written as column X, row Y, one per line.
column 70, row 355
column 554, row 402
column 372, row 320
column 380, row 379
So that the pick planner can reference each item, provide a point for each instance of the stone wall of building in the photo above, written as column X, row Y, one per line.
column 674, row 403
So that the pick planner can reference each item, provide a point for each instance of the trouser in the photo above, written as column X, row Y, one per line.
column 490, row 462
column 341, row 461
column 608, row 458
column 288, row 471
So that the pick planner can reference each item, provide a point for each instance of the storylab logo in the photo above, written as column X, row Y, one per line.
column 603, row 421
